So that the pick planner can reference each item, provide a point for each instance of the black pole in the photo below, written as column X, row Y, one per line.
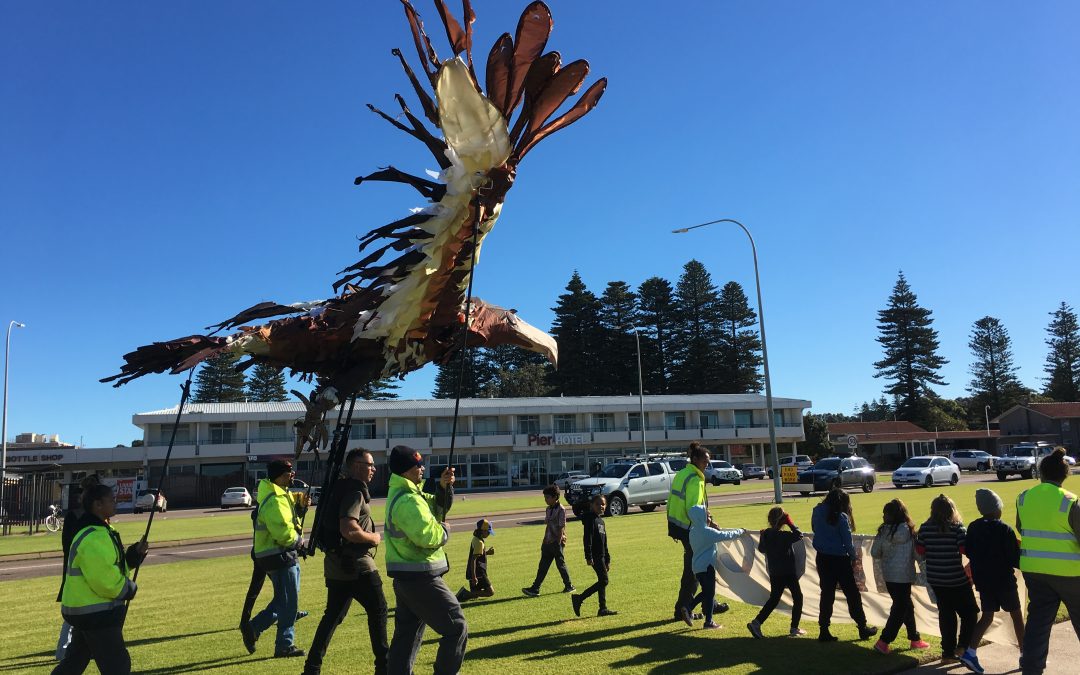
column 333, row 468
column 465, row 328
column 185, row 391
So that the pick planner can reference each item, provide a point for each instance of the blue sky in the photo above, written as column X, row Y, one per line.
column 167, row 164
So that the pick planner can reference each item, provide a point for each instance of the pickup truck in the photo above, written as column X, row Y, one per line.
column 644, row 483
column 1023, row 459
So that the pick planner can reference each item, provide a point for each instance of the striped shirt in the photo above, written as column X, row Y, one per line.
column 944, row 564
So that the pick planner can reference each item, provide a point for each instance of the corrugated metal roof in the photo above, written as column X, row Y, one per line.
column 494, row 406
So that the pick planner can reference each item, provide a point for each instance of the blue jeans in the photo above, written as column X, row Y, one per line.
column 282, row 608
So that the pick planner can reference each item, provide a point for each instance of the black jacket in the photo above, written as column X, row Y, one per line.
column 595, row 539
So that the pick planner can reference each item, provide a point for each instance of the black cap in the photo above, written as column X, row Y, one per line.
column 278, row 467
column 402, row 458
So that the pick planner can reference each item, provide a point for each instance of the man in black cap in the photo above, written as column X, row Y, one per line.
column 415, row 537
column 349, row 542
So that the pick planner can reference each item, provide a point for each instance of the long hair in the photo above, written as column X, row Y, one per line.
column 943, row 513
column 839, row 502
column 895, row 514
column 776, row 513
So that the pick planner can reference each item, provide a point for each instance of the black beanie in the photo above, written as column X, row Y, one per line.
column 402, row 458
column 278, row 467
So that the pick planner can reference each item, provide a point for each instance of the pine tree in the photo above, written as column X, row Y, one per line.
column 994, row 382
column 514, row 373
column 911, row 344
column 577, row 330
column 656, row 317
column 695, row 368
column 473, row 379
column 1063, row 361
column 616, row 370
column 266, row 383
column 218, row 380
column 816, row 433
column 739, row 354
column 379, row 390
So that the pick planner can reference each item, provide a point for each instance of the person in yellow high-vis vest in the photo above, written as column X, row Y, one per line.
column 1048, row 520
column 97, row 589
column 687, row 490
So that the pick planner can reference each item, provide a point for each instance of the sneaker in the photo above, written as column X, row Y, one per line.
column 881, row 646
column 531, row 592
column 720, row 608
column 289, row 652
column 826, row 636
column 796, row 632
column 463, row 594
column 866, row 631
column 755, row 629
column 971, row 661
column 248, row 634
column 606, row 612
column 712, row 625
column 301, row 614
column 685, row 614
column 569, row 589
column 575, row 600
column 920, row 644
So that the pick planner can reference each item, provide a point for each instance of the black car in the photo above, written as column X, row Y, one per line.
column 751, row 471
column 846, row 472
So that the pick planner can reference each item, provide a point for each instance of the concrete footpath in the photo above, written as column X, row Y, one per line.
column 997, row 658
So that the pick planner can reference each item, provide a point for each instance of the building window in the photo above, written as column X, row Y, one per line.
column 271, row 431
column 183, row 434
column 778, row 418
column 487, row 425
column 710, row 419
column 182, row 469
column 222, row 432
column 488, row 470
column 528, row 424
column 674, row 420
column 565, row 424
column 744, row 419
column 603, row 422
column 403, row 428
column 444, row 426
column 633, row 421
column 362, row 429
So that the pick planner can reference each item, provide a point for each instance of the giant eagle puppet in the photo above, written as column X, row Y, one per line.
column 390, row 318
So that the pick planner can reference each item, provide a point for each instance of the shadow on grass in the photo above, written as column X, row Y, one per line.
column 694, row 651
column 211, row 664
column 129, row 643
column 28, row 665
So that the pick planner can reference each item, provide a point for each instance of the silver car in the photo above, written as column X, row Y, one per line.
column 972, row 460
column 236, row 496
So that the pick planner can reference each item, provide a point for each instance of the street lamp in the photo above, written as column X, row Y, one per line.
column 986, row 409
column 777, row 492
column 3, row 425
column 641, row 392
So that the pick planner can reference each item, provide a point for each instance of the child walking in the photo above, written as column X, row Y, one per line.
column 941, row 540
column 894, row 546
column 703, row 540
column 476, row 565
column 596, row 557
column 994, row 551
column 551, row 548
column 833, row 521
column 777, row 545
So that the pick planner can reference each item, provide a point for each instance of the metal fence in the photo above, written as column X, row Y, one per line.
column 26, row 502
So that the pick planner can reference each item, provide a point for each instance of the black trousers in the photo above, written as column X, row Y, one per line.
column 600, row 587
column 105, row 646
column 548, row 553
column 706, row 598
column 255, row 586
column 368, row 591
column 426, row 601
column 833, row 570
column 688, row 584
column 954, row 602
column 1045, row 595
column 902, row 613
column 779, row 583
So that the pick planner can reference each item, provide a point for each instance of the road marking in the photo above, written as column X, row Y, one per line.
column 32, row 567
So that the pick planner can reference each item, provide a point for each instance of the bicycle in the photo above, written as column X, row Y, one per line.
column 55, row 520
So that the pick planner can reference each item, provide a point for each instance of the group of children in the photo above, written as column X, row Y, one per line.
column 990, row 545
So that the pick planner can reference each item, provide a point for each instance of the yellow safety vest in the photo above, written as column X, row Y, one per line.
column 687, row 489
column 414, row 536
column 1047, row 545
column 277, row 527
column 96, row 578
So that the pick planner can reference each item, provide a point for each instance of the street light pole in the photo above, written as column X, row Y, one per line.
column 986, row 409
column 777, row 492
column 641, row 393
column 3, row 425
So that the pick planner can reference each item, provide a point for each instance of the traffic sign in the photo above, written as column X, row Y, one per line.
column 852, row 442
column 789, row 474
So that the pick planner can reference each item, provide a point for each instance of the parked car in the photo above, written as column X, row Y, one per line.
column 719, row 472
column 147, row 499
column 972, row 460
column 843, row 472
column 1023, row 459
column 802, row 462
column 625, row 482
column 316, row 494
column 927, row 471
column 566, row 478
column 236, row 496
column 751, row 471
